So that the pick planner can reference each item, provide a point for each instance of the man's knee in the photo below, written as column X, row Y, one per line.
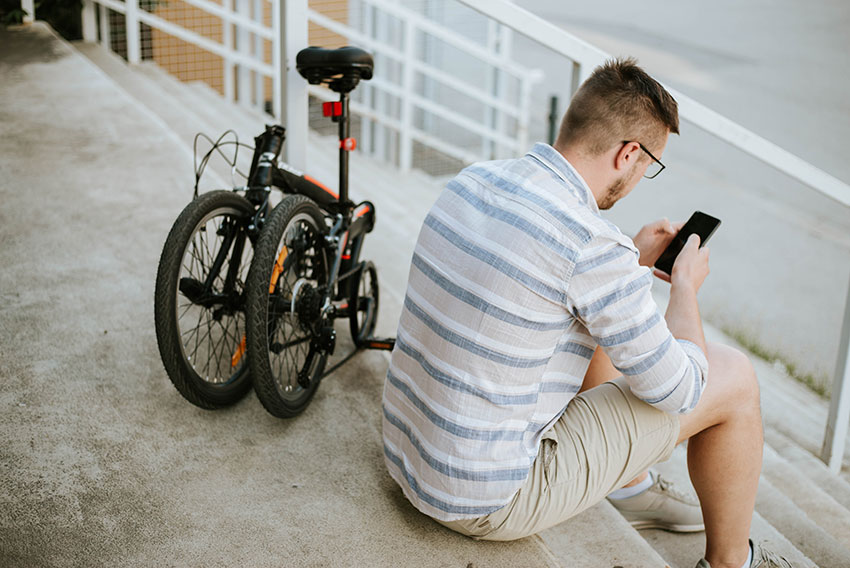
column 731, row 392
column 733, row 369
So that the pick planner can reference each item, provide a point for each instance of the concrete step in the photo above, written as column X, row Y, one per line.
column 307, row 492
column 685, row 550
column 176, row 116
column 820, row 507
column 585, row 541
column 793, row 410
column 781, row 512
column 216, row 119
column 240, row 113
column 810, row 467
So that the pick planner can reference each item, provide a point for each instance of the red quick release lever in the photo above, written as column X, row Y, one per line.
column 348, row 144
column 332, row 108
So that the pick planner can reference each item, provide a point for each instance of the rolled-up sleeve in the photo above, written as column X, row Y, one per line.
column 610, row 294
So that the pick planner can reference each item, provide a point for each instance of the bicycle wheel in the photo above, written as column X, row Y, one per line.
column 199, row 300
column 363, row 303
column 284, row 292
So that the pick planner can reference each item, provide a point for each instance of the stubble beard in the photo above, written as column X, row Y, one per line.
column 614, row 193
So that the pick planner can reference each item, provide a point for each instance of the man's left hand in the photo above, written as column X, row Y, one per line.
column 652, row 239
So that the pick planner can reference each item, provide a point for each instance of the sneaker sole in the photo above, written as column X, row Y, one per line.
column 653, row 524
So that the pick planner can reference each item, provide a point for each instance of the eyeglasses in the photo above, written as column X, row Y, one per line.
column 655, row 168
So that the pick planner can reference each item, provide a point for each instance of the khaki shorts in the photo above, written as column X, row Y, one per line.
column 604, row 439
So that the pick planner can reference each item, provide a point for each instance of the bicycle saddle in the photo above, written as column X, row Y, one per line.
column 341, row 69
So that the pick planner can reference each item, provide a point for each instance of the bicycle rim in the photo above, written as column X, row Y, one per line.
column 212, row 330
column 294, row 299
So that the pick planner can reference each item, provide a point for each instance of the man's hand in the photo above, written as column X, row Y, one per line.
column 691, row 266
column 689, row 272
column 652, row 239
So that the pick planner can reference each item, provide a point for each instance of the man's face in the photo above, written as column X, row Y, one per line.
column 623, row 185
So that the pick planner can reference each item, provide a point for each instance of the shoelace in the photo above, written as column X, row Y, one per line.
column 767, row 558
column 668, row 487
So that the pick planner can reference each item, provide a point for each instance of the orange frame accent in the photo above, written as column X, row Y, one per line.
column 240, row 351
column 278, row 269
column 323, row 186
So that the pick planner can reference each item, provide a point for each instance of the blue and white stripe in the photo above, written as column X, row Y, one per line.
column 514, row 281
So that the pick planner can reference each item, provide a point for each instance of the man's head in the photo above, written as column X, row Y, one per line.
column 615, row 111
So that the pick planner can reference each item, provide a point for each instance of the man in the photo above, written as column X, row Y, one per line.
column 500, row 418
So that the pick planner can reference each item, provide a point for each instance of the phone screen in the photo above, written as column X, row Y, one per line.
column 699, row 223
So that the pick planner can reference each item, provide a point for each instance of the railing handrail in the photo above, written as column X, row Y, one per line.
column 261, row 30
column 449, row 37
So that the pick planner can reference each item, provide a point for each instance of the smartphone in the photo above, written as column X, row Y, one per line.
column 699, row 223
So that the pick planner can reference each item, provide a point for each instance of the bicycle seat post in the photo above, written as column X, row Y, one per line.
column 346, row 144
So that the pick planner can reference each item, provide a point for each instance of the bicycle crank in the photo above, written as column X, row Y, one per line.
column 324, row 343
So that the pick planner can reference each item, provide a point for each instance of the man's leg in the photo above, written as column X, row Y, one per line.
column 601, row 370
column 725, row 454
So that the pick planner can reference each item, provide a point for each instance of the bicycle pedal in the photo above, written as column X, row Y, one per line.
column 384, row 344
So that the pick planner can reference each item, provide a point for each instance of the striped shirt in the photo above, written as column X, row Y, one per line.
column 515, row 279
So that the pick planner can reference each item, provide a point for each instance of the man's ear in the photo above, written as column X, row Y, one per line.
column 627, row 155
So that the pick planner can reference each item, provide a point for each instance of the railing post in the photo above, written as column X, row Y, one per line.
column 499, row 42
column 89, row 22
column 105, row 35
column 366, row 125
column 227, row 63
column 28, row 6
column 243, row 74
column 405, row 139
column 838, row 422
column 553, row 119
column 575, row 79
column 290, row 100
column 131, row 25
column 259, row 84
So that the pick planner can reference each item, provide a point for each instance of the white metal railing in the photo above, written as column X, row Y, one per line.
column 586, row 57
column 230, row 55
column 413, row 25
column 240, row 48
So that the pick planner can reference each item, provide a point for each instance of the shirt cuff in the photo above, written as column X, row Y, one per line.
column 695, row 354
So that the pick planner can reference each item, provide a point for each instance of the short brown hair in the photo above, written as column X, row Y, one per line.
column 619, row 101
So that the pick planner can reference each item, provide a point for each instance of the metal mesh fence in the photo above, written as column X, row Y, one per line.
column 182, row 59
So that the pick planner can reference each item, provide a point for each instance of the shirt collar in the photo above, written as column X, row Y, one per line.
column 556, row 162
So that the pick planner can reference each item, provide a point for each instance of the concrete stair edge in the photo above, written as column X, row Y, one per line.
column 784, row 397
column 584, row 541
column 795, row 525
column 827, row 513
column 151, row 97
column 214, row 117
column 813, row 468
column 677, row 548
